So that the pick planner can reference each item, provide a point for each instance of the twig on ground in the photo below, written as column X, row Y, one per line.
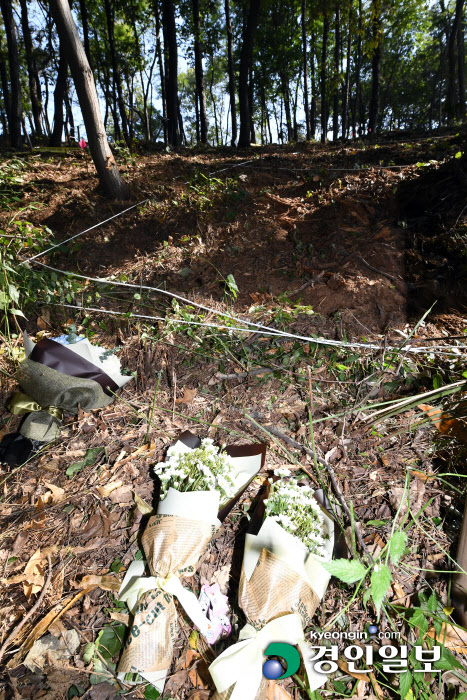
column 374, row 269
column 31, row 612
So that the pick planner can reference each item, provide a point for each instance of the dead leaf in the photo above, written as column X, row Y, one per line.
column 122, row 495
column 343, row 665
column 54, row 496
column 200, row 695
column 453, row 427
column 399, row 593
column 454, row 638
column 121, row 617
column 43, row 626
column 221, row 576
column 98, row 525
column 33, row 575
column 107, row 489
column 41, row 323
column 143, row 507
column 188, row 396
column 275, row 692
column 107, row 583
column 38, row 521
column 421, row 475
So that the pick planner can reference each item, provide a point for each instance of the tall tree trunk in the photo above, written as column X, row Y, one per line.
column 33, row 77
column 161, row 69
column 251, row 106
column 85, row 23
column 15, row 113
column 346, row 92
column 5, row 91
column 324, row 114
column 452, row 43
column 211, row 92
column 337, row 52
column 358, row 68
column 107, row 170
column 110, row 18
column 59, row 98
column 286, row 95
column 313, row 88
column 305, row 73
column 461, row 68
column 231, row 71
column 246, row 58
column 375, row 66
column 199, row 77
column 171, row 73
column 180, row 122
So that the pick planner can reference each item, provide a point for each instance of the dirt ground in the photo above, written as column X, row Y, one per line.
column 322, row 242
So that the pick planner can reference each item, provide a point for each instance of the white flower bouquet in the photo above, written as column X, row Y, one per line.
column 199, row 484
column 281, row 584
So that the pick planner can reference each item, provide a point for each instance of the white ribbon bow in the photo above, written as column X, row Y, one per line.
column 242, row 663
column 135, row 585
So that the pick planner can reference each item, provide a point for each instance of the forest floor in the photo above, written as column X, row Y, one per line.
column 336, row 242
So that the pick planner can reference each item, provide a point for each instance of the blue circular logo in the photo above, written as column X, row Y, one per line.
column 372, row 629
column 272, row 669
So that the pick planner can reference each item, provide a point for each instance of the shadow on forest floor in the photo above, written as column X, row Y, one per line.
column 320, row 225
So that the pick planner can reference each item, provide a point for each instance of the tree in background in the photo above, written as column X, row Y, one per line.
column 107, row 170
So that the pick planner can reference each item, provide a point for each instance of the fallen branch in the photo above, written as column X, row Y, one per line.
column 28, row 615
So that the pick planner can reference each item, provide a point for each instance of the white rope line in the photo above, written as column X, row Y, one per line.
column 67, row 240
column 269, row 331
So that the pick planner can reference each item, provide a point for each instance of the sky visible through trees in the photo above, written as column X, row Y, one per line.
column 292, row 70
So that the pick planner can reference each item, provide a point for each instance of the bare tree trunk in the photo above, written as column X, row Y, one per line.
column 109, row 14
column 346, row 92
column 59, row 99
column 461, row 68
column 337, row 50
column 161, row 68
column 375, row 67
column 171, row 73
column 199, row 77
column 85, row 23
column 15, row 113
column 358, row 68
column 211, row 92
column 5, row 91
column 324, row 114
column 33, row 77
column 231, row 70
column 107, row 170
column 251, row 106
column 313, row 88
column 246, row 57
column 305, row 73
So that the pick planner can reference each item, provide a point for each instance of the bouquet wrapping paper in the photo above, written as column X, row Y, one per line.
column 174, row 541
column 281, row 585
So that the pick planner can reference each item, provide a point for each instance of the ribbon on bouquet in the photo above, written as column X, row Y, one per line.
column 241, row 664
column 21, row 403
column 136, row 584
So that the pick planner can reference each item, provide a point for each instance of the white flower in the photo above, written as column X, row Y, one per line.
column 282, row 471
